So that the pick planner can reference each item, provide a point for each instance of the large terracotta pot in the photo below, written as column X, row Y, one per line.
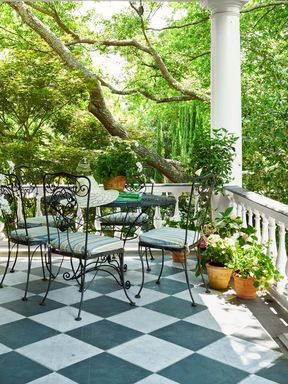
column 219, row 277
column 117, row 183
column 178, row 257
column 244, row 288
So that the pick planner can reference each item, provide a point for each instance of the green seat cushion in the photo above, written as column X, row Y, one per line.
column 168, row 238
column 36, row 221
column 74, row 243
column 35, row 234
column 124, row 218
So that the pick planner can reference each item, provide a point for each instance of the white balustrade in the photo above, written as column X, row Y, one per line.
column 270, row 219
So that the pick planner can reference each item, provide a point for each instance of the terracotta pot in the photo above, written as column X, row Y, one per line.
column 117, row 183
column 244, row 288
column 178, row 257
column 219, row 277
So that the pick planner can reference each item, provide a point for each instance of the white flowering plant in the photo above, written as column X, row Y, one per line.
column 252, row 261
column 4, row 207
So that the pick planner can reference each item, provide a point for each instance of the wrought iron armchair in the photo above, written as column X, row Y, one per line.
column 127, row 222
column 17, row 203
column 187, row 237
column 67, row 200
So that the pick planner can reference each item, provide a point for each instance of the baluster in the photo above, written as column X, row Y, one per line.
column 281, row 261
column 19, row 209
column 258, row 226
column 250, row 217
column 177, row 215
column 239, row 210
column 97, row 223
column 38, row 205
column 79, row 218
column 157, row 220
column 265, row 234
column 272, row 247
column 244, row 218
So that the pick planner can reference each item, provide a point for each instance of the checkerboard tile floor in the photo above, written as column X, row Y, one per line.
column 162, row 340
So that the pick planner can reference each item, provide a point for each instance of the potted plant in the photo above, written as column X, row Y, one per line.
column 219, row 247
column 254, row 269
column 117, row 163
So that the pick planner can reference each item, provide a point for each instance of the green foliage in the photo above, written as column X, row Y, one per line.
column 252, row 261
column 227, row 224
column 118, row 159
column 213, row 155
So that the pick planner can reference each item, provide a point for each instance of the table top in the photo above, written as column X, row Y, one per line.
column 146, row 200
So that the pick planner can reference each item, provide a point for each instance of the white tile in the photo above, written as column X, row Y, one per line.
column 147, row 295
column 7, row 316
column 143, row 319
column 240, row 354
column 70, row 295
column 156, row 379
column 253, row 379
column 181, row 277
column 18, row 278
column 59, row 351
column 150, row 352
column 204, row 319
column 11, row 294
column 4, row 349
column 53, row 378
column 63, row 319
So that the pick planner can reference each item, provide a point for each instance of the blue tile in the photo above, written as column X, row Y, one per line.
column 188, row 335
column 104, row 285
column 175, row 307
column 105, row 369
column 277, row 371
column 32, row 306
column 167, row 286
column 201, row 370
column 105, row 306
column 104, row 334
column 17, row 369
column 23, row 332
column 40, row 286
column 156, row 267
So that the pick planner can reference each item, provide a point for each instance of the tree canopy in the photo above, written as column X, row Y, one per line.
column 160, row 55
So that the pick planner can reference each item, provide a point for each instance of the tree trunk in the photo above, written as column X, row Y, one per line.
column 97, row 105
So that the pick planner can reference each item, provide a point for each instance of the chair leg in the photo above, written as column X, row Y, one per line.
column 161, row 270
column 141, row 253
column 146, row 258
column 7, row 264
column 49, row 268
column 82, row 288
column 188, row 282
column 200, row 269
column 42, row 262
column 151, row 255
column 28, row 272
column 16, row 257
column 121, row 275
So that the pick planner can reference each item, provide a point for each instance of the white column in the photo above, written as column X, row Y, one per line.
column 225, row 73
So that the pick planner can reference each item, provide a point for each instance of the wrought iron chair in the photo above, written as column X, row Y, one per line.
column 185, row 239
column 67, row 200
column 17, row 199
column 129, row 221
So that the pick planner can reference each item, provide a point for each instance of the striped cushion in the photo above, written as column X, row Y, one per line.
column 124, row 218
column 34, row 234
column 75, row 243
column 36, row 221
column 169, row 238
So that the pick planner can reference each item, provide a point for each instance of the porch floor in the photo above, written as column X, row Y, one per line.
column 162, row 340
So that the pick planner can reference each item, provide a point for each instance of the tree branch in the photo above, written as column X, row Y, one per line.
column 97, row 104
column 55, row 17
